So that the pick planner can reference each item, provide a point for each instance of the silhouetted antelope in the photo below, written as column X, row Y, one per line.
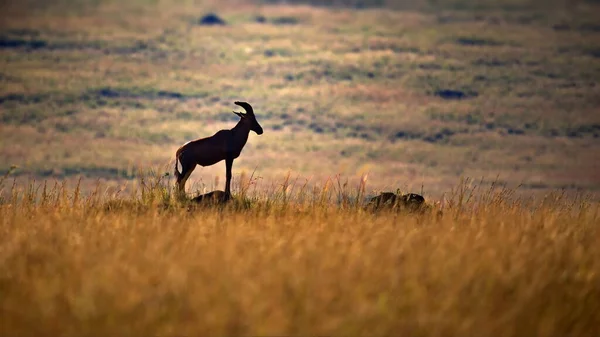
column 223, row 145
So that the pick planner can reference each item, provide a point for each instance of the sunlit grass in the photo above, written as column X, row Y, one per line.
column 130, row 82
column 94, row 91
column 295, row 261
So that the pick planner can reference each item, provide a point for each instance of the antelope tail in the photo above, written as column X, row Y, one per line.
column 178, row 168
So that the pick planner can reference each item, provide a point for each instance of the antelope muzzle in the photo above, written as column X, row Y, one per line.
column 257, row 128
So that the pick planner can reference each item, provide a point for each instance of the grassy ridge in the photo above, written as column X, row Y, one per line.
column 296, row 263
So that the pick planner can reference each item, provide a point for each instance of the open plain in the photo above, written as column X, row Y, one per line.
column 489, row 109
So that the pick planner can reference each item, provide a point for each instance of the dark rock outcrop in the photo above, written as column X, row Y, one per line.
column 211, row 19
column 410, row 202
column 210, row 199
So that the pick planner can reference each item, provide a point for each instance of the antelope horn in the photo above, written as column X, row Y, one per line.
column 246, row 107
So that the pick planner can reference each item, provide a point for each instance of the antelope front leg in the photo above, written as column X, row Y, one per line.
column 228, row 165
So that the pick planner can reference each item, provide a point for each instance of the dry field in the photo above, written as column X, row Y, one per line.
column 297, row 264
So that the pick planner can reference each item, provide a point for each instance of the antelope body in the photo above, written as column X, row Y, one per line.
column 223, row 145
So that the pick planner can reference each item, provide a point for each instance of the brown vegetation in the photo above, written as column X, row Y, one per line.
column 492, row 264
column 445, row 89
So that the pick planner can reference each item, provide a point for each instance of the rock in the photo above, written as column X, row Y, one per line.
column 408, row 202
column 455, row 94
column 211, row 19
column 211, row 198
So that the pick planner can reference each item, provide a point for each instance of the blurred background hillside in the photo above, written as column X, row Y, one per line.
column 412, row 93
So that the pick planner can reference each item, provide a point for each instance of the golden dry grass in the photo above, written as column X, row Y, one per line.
column 93, row 87
column 99, row 89
column 110, row 265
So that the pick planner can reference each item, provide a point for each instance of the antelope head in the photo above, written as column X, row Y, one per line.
column 249, row 117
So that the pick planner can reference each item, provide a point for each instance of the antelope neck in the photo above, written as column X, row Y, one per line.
column 240, row 128
column 239, row 136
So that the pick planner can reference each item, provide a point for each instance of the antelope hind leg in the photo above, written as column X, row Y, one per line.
column 182, row 179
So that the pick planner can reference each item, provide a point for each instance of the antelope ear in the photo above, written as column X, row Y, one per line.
column 239, row 114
